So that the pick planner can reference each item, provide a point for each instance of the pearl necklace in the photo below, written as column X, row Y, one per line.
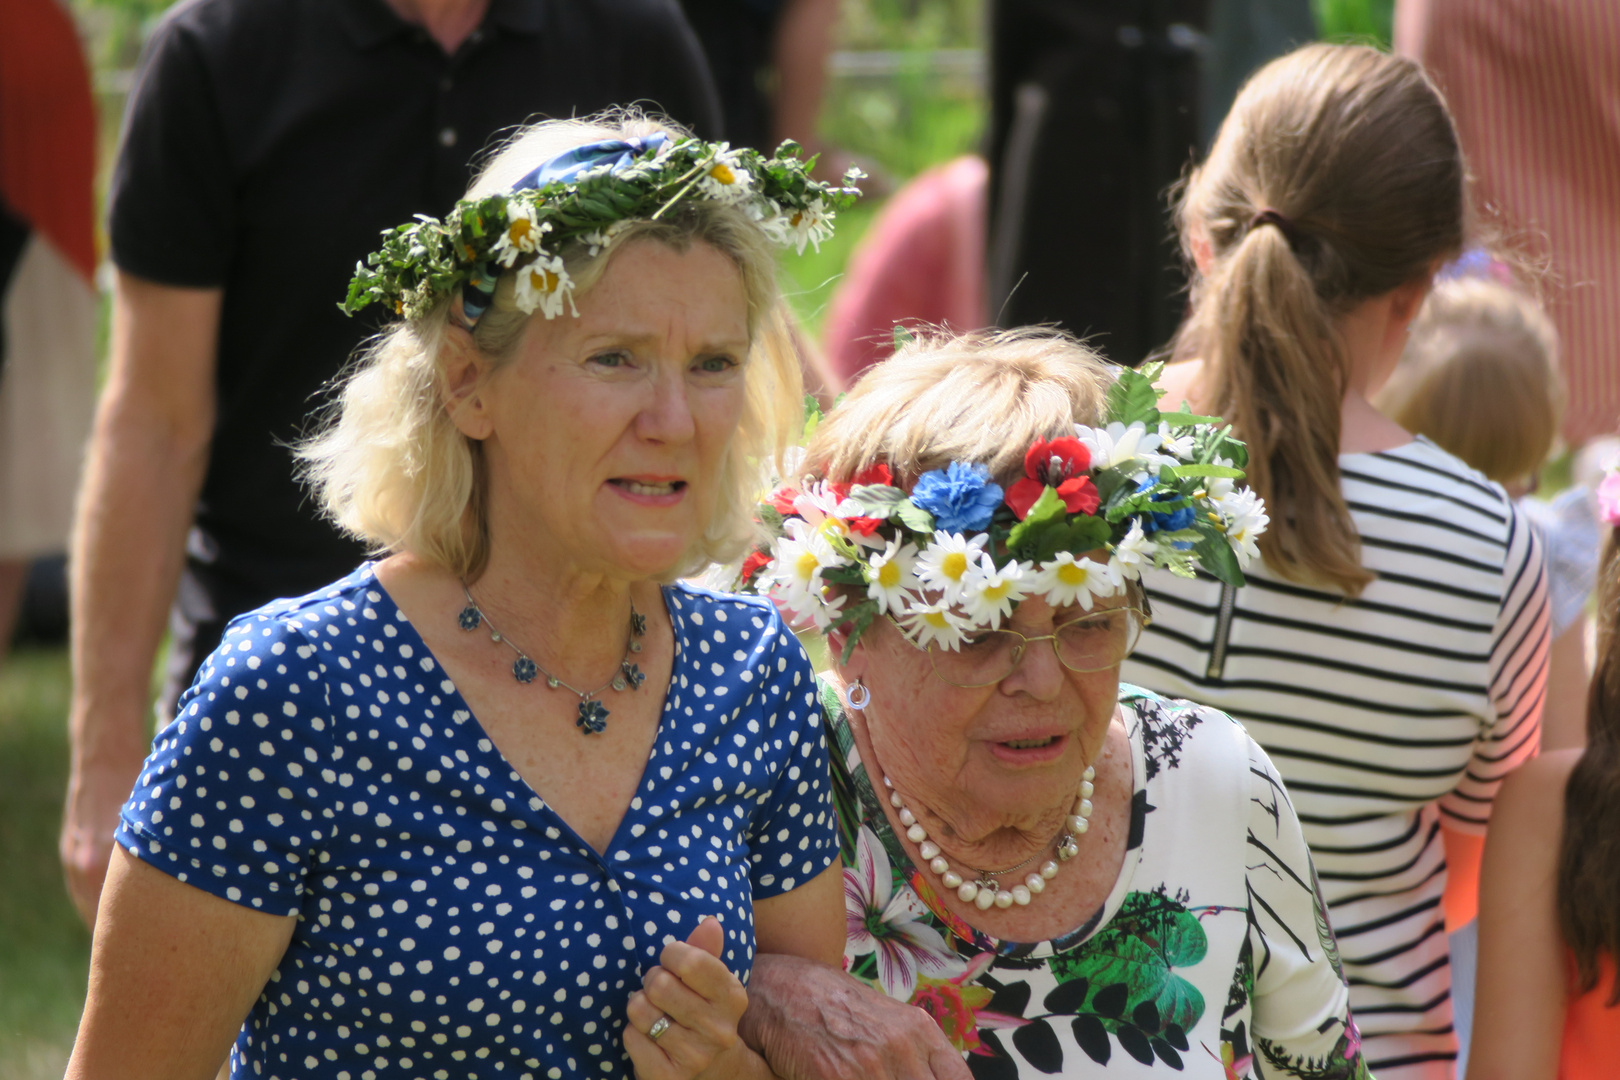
column 986, row 890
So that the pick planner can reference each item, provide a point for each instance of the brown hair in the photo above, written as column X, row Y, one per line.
column 1354, row 155
column 1480, row 377
column 1589, row 852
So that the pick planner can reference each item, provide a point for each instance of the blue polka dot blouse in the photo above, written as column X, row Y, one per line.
column 449, row 923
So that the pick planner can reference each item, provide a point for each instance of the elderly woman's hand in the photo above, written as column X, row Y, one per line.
column 701, row 999
column 812, row 1022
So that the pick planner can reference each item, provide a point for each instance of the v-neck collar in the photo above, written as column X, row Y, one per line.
column 667, row 721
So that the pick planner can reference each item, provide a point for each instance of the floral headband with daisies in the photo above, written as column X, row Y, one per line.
column 587, row 195
column 957, row 552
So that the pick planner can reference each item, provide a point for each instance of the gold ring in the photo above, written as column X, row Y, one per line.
column 659, row 1026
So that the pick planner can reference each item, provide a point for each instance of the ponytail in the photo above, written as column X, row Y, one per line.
column 1276, row 373
column 1336, row 178
column 1589, row 852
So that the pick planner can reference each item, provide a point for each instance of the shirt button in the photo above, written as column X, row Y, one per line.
column 447, row 137
column 446, row 83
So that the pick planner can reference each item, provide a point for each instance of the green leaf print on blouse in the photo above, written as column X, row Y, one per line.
column 1123, row 983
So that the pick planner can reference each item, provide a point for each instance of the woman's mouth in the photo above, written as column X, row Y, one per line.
column 643, row 487
column 649, row 491
column 1037, row 750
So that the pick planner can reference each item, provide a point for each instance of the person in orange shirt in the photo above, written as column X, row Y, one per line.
column 1547, row 1000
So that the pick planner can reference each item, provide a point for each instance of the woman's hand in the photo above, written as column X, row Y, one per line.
column 812, row 1022
column 701, row 999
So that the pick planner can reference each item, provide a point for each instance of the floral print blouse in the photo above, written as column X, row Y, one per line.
column 1212, row 956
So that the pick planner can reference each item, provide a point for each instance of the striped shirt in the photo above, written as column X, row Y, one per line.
column 1533, row 85
column 1384, row 714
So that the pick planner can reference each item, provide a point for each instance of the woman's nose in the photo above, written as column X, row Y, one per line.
column 1038, row 673
column 667, row 417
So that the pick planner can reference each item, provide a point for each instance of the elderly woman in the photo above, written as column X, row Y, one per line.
column 507, row 802
column 1070, row 875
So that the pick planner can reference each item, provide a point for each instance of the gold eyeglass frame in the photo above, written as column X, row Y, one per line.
column 1144, row 608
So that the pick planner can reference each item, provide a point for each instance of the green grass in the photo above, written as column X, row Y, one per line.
column 44, row 949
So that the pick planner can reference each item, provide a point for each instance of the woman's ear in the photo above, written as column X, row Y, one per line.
column 837, row 642
column 1203, row 252
column 1407, row 300
column 463, row 386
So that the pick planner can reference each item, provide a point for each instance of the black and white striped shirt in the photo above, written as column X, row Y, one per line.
column 1384, row 714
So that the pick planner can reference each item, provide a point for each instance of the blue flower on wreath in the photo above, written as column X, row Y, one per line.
column 1172, row 521
column 961, row 497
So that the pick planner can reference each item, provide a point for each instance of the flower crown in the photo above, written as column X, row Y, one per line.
column 956, row 553
column 587, row 195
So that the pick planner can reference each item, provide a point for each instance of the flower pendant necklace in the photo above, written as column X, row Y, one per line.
column 985, row 890
column 592, row 713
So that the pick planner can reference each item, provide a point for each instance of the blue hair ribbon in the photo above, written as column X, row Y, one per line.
column 615, row 154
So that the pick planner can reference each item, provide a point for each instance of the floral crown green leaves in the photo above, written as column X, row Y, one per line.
column 957, row 552
column 528, row 229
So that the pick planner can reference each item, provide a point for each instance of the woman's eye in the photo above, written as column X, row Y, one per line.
column 614, row 359
column 716, row 364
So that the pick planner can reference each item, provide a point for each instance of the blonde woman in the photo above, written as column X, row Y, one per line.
column 1390, row 652
column 507, row 802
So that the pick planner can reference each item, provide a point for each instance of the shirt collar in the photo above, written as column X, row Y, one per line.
column 371, row 22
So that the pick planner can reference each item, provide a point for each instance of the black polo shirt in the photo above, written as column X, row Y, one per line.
column 267, row 145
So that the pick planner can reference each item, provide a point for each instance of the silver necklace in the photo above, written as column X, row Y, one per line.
column 592, row 713
column 986, row 889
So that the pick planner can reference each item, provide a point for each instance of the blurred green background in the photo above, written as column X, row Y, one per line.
column 921, row 102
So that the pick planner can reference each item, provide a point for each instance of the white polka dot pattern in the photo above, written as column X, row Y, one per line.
column 450, row 924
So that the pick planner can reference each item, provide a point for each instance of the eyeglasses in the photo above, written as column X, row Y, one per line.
column 1093, row 642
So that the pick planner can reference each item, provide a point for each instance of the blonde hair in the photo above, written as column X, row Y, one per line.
column 978, row 398
column 1355, row 156
column 1480, row 377
column 390, row 468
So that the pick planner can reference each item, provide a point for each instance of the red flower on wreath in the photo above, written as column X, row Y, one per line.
column 782, row 500
column 1062, row 464
column 873, row 475
column 757, row 560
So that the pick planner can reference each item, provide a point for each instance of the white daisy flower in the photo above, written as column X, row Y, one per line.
column 989, row 594
column 725, row 179
column 796, row 228
column 1131, row 449
column 1246, row 519
column 1066, row 580
column 819, row 505
column 522, row 234
column 945, row 563
column 827, row 611
column 544, row 285
column 891, row 575
column 797, row 560
column 934, row 623
column 1180, row 445
column 1219, row 487
column 1132, row 553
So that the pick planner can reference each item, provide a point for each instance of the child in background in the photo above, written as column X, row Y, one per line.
column 1480, row 377
column 1550, row 893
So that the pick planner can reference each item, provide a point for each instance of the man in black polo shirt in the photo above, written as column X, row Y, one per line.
column 267, row 144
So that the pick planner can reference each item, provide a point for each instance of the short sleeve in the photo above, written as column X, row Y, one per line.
column 1301, row 1004
column 234, row 797
column 1521, row 642
column 794, row 833
column 170, row 210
